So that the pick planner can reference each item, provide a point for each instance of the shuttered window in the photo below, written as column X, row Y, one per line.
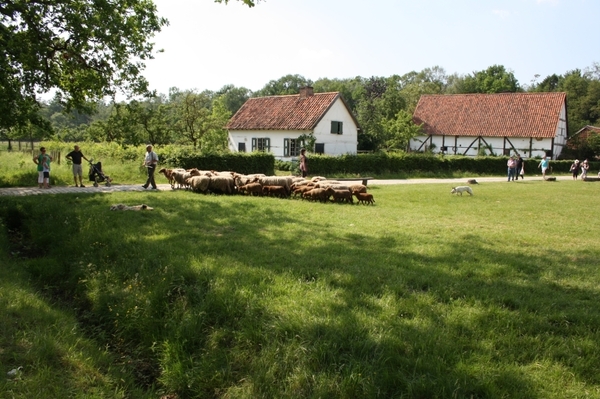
column 292, row 147
column 337, row 127
column 261, row 144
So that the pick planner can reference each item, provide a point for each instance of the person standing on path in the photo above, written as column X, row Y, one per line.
column 303, row 167
column 575, row 169
column 544, row 164
column 512, row 165
column 42, row 160
column 76, row 156
column 520, row 168
column 150, row 162
column 585, row 166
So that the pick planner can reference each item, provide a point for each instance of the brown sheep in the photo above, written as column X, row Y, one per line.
column 358, row 188
column 342, row 196
column 169, row 175
column 251, row 188
column 301, row 190
column 319, row 194
column 275, row 191
column 364, row 198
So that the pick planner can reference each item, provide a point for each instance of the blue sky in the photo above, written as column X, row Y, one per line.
column 209, row 45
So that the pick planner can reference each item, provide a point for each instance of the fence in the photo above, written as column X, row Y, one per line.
column 28, row 147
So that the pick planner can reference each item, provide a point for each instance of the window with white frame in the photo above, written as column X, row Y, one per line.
column 337, row 127
column 261, row 144
column 292, row 147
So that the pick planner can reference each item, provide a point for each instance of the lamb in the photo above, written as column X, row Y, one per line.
column 273, row 191
column 301, row 190
column 342, row 196
column 283, row 181
column 242, row 180
column 365, row 198
column 251, row 188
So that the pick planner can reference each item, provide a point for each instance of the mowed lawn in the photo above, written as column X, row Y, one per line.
column 423, row 295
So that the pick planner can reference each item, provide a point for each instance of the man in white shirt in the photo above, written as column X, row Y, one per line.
column 150, row 162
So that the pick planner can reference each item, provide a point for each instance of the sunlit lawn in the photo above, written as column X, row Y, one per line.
column 423, row 295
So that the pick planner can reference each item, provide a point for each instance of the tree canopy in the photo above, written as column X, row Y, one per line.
column 82, row 49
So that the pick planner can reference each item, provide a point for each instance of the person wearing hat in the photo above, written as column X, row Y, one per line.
column 585, row 166
column 150, row 162
column 575, row 169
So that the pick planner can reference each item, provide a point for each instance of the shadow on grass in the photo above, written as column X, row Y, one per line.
column 220, row 296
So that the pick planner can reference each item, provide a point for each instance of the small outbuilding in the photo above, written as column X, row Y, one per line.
column 529, row 124
column 282, row 124
column 582, row 136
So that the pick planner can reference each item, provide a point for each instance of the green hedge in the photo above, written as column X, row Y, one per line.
column 256, row 162
column 402, row 163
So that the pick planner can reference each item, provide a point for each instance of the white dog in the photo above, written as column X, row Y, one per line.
column 461, row 189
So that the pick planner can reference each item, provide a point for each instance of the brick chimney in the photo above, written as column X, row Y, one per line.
column 306, row 91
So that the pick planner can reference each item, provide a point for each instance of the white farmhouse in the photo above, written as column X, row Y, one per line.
column 529, row 124
column 277, row 124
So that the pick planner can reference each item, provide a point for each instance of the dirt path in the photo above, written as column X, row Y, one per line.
column 21, row 191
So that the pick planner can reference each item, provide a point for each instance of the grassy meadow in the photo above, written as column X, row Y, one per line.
column 424, row 295
column 124, row 166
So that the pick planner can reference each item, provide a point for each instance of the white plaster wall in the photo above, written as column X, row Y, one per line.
column 561, row 133
column 461, row 143
column 277, row 137
column 335, row 144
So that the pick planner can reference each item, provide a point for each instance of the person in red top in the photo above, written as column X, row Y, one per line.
column 303, row 167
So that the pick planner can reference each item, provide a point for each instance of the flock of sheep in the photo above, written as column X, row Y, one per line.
column 315, row 189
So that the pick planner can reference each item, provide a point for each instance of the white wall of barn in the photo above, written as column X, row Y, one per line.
column 469, row 145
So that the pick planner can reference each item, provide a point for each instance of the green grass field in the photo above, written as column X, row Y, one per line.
column 424, row 295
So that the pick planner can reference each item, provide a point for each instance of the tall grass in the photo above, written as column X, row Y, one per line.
column 123, row 165
column 424, row 295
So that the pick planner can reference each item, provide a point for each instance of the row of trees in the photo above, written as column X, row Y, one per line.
column 93, row 53
column 382, row 105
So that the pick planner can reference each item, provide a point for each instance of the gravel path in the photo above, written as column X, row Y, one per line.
column 20, row 191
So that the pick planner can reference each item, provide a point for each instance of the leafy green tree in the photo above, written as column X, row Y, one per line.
column 495, row 79
column 549, row 84
column 83, row 49
column 233, row 97
column 191, row 113
column 152, row 118
column 400, row 130
column 215, row 138
column 352, row 90
column 288, row 84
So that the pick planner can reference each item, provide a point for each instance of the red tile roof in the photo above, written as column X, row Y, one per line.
column 499, row 115
column 282, row 112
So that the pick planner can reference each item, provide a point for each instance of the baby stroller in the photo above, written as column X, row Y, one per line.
column 96, row 175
